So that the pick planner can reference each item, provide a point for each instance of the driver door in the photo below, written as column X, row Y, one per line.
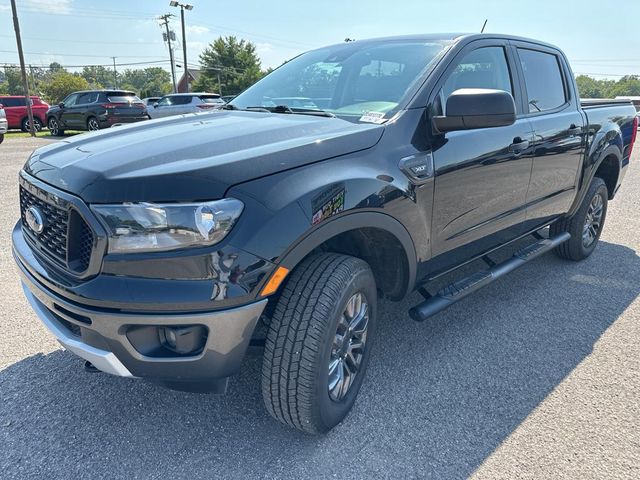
column 69, row 113
column 481, row 175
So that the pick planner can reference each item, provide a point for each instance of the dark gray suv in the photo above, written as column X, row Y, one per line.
column 95, row 109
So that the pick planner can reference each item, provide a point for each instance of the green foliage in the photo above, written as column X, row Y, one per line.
column 591, row 88
column 61, row 84
column 228, row 66
column 98, row 77
column 12, row 84
column 148, row 82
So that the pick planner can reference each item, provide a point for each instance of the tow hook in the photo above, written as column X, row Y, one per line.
column 89, row 367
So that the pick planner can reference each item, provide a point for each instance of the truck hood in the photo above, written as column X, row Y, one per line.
column 192, row 157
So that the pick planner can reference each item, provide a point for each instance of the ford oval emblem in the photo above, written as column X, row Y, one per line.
column 35, row 220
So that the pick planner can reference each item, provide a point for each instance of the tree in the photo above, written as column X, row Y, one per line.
column 62, row 84
column 98, row 76
column 233, row 61
column 13, row 80
column 589, row 87
column 150, row 82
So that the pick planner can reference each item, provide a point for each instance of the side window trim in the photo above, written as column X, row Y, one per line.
column 568, row 92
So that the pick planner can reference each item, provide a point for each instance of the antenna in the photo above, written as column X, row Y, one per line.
column 484, row 25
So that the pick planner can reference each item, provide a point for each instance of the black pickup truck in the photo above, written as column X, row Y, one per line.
column 162, row 250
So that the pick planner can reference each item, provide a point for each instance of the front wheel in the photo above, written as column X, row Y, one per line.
column 54, row 127
column 319, row 342
column 585, row 226
column 1, row 137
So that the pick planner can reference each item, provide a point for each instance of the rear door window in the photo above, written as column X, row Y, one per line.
column 181, row 100
column 543, row 80
column 85, row 98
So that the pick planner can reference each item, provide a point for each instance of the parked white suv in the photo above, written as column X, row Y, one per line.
column 4, row 126
column 179, row 103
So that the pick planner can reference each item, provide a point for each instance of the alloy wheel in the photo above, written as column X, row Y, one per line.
column 593, row 221
column 53, row 126
column 347, row 350
column 93, row 125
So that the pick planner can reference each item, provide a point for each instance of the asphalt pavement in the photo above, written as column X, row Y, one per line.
column 535, row 376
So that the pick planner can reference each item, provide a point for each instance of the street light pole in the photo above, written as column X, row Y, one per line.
column 184, row 38
column 25, row 83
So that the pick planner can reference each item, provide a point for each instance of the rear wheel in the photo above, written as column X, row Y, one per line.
column 54, row 127
column 93, row 124
column 319, row 342
column 37, row 124
column 1, row 137
column 585, row 226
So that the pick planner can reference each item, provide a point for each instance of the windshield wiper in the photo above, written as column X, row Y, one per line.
column 286, row 109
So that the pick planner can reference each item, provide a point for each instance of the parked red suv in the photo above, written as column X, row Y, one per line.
column 15, row 106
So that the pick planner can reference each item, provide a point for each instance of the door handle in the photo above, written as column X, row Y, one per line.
column 573, row 130
column 519, row 145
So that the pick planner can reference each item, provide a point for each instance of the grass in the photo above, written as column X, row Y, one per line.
column 44, row 134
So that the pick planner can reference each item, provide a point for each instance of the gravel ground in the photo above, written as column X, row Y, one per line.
column 536, row 376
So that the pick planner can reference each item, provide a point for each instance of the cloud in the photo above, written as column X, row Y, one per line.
column 264, row 47
column 51, row 6
column 196, row 29
column 4, row 8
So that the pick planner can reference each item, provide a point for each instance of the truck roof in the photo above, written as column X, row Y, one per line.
column 452, row 37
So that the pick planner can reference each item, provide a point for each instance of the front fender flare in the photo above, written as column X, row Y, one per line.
column 353, row 221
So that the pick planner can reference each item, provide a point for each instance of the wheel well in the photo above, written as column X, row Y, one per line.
column 381, row 250
column 608, row 171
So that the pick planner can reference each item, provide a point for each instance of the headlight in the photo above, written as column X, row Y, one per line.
column 146, row 227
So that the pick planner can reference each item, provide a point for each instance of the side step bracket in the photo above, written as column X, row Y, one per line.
column 460, row 289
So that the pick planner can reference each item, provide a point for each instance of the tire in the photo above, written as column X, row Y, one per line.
column 302, row 340
column 24, row 125
column 54, row 127
column 1, row 137
column 583, row 239
column 92, row 124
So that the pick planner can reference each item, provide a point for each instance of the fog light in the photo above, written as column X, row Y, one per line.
column 183, row 340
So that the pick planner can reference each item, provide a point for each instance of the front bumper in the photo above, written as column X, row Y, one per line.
column 103, row 337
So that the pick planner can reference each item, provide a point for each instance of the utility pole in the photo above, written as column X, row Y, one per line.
column 115, row 74
column 183, row 6
column 25, row 83
column 165, row 21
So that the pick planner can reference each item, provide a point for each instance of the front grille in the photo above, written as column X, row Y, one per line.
column 53, row 239
column 66, row 239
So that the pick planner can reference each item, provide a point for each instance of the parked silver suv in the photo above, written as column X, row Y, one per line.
column 4, row 126
column 179, row 103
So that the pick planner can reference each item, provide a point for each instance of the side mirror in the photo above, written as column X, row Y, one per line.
column 61, row 104
column 470, row 108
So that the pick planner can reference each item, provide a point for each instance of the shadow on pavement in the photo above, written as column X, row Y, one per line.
column 439, row 396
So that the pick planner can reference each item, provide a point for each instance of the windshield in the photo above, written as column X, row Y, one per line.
column 358, row 82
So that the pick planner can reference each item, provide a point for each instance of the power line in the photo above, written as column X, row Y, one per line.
column 83, row 55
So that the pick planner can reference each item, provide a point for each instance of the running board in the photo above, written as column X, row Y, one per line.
column 460, row 289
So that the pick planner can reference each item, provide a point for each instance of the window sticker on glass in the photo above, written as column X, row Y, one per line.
column 372, row 117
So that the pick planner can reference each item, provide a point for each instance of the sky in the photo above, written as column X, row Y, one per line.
column 600, row 37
